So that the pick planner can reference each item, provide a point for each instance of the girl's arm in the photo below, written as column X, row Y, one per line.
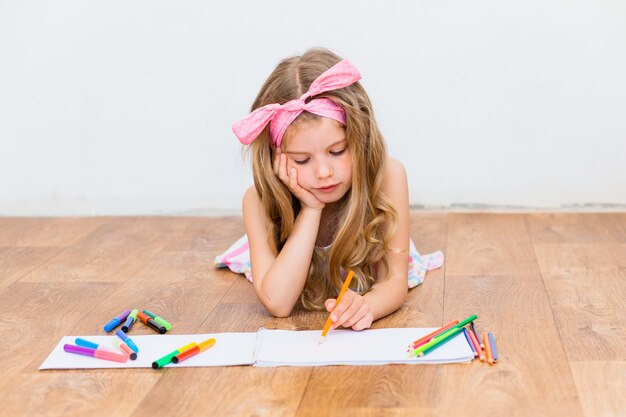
column 387, row 295
column 279, row 279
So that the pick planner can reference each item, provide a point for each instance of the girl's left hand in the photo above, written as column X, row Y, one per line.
column 352, row 311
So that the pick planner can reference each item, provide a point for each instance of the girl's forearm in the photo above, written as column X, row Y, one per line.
column 285, row 279
column 386, row 297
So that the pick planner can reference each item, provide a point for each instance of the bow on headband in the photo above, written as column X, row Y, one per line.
column 280, row 116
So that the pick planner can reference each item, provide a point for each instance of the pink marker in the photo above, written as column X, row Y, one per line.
column 96, row 353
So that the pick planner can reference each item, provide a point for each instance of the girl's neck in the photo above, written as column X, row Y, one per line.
column 328, row 225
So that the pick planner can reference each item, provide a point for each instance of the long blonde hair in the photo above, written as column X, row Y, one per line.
column 366, row 217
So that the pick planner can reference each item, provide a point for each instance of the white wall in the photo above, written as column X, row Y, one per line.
column 124, row 107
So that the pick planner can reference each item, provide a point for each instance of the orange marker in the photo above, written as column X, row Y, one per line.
column 481, row 353
column 346, row 283
column 487, row 348
column 194, row 350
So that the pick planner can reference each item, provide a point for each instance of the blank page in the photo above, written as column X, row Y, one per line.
column 348, row 347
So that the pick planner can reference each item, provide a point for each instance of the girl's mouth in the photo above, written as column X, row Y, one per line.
column 328, row 189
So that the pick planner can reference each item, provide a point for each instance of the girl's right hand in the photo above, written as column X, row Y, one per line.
column 289, row 177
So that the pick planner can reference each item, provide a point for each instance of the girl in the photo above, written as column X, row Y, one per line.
column 326, row 197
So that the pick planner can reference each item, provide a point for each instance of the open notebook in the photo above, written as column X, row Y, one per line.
column 273, row 348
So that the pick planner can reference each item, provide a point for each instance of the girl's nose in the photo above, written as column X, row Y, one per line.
column 323, row 170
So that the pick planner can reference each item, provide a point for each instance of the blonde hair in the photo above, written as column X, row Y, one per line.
column 366, row 217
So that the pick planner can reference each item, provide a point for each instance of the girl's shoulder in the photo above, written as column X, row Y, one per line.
column 394, row 168
column 395, row 174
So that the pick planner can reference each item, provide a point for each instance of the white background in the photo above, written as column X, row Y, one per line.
column 125, row 107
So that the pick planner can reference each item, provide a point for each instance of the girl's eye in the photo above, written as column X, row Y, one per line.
column 338, row 152
column 301, row 161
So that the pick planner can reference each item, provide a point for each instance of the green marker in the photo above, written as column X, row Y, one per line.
column 160, row 363
column 437, row 341
column 164, row 323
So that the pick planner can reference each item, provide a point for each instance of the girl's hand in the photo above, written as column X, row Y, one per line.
column 352, row 311
column 289, row 177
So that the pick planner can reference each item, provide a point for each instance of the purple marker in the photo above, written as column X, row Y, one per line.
column 116, row 321
column 127, row 340
column 96, row 353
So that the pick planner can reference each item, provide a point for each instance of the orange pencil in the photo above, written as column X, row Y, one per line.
column 422, row 341
column 487, row 348
column 345, row 286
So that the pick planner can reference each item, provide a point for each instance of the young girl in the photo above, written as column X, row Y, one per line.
column 326, row 198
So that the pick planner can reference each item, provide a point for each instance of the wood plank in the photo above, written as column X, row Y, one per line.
column 48, row 231
column 34, row 317
column 16, row 262
column 601, row 386
column 586, row 284
column 226, row 391
column 213, row 234
column 489, row 244
column 577, row 227
column 77, row 393
column 112, row 252
column 532, row 377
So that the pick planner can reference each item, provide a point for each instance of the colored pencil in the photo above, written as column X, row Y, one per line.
column 423, row 340
column 469, row 341
column 479, row 351
column 487, row 349
column 492, row 342
column 345, row 286
column 437, row 341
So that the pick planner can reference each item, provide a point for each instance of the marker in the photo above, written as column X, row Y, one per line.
column 147, row 320
column 492, row 342
column 437, row 341
column 119, row 344
column 127, row 340
column 115, row 321
column 487, row 349
column 194, row 350
column 86, row 343
column 130, row 321
column 96, row 353
column 469, row 341
column 159, row 363
column 159, row 320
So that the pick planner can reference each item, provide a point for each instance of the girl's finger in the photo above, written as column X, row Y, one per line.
column 364, row 323
column 329, row 304
column 338, row 314
column 351, row 312
column 358, row 315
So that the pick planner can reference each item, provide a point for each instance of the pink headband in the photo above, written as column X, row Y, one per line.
column 280, row 116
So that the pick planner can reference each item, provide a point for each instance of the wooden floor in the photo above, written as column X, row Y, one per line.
column 551, row 287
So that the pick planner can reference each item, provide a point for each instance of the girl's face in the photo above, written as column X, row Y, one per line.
column 318, row 150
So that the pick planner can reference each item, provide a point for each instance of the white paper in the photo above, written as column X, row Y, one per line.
column 347, row 347
column 272, row 348
column 229, row 349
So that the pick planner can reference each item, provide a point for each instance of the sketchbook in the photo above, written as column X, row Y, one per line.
column 272, row 348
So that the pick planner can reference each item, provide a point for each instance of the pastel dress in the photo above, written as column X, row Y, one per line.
column 237, row 259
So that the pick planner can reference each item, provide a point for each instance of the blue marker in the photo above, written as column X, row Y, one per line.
column 115, row 321
column 130, row 321
column 85, row 343
column 127, row 340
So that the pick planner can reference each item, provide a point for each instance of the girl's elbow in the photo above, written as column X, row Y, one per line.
column 278, row 311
